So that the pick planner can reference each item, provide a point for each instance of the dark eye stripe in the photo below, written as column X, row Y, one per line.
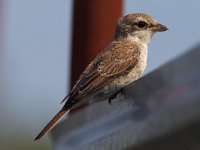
column 141, row 24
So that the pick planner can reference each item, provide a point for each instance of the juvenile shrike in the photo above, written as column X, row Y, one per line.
column 121, row 62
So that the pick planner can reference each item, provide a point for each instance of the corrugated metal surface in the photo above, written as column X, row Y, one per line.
column 159, row 111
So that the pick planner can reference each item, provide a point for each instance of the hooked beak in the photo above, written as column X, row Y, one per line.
column 159, row 28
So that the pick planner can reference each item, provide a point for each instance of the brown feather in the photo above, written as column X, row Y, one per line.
column 52, row 123
column 115, row 60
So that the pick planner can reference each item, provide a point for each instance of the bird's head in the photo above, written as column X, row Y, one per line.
column 138, row 25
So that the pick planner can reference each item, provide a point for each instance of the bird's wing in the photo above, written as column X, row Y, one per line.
column 113, row 61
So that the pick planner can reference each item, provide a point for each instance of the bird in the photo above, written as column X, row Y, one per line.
column 120, row 63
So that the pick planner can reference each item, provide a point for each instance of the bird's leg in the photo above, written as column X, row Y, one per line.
column 115, row 95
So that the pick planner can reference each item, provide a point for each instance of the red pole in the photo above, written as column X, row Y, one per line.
column 93, row 27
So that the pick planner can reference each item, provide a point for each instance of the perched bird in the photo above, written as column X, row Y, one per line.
column 121, row 62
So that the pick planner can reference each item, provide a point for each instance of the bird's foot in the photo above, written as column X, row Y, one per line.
column 114, row 96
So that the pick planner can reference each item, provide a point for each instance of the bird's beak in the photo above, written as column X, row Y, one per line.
column 159, row 28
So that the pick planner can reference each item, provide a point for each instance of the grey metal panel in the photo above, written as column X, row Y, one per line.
column 159, row 111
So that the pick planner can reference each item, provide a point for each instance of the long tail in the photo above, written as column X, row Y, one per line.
column 52, row 123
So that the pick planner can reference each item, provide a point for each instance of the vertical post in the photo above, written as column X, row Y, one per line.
column 93, row 27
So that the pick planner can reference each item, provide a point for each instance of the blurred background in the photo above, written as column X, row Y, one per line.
column 35, row 45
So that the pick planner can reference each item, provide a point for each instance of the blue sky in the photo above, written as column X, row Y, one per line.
column 37, row 49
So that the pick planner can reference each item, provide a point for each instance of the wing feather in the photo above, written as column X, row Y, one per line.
column 113, row 61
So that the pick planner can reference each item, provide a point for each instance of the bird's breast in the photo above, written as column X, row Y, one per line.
column 134, row 73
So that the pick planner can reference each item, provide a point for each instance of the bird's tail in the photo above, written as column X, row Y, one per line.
column 52, row 123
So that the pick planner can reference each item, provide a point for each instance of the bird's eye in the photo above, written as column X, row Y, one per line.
column 142, row 24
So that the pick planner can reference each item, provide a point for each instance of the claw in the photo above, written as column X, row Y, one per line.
column 114, row 96
column 109, row 101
